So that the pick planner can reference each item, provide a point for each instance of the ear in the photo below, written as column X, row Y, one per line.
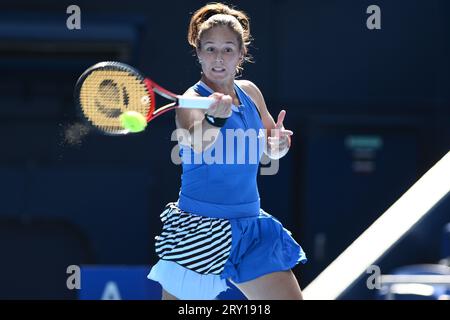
column 197, row 52
column 197, row 56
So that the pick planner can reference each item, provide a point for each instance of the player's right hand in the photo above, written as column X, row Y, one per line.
column 222, row 107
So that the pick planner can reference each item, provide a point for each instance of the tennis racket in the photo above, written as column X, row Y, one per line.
column 108, row 89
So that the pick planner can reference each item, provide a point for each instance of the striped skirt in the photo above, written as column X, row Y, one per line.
column 198, row 254
column 198, row 243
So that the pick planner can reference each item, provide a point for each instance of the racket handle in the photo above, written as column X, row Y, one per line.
column 195, row 102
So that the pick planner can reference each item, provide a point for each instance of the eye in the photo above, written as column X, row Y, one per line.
column 228, row 50
column 209, row 49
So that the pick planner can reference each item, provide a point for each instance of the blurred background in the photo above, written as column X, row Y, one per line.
column 370, row 111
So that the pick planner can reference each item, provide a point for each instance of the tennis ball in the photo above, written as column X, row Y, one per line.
column 133, row 121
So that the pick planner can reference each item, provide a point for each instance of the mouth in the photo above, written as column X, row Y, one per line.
column 218, row 69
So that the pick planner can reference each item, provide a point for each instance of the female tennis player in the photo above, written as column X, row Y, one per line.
column 217, row 230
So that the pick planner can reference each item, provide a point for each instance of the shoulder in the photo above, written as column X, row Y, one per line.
column 250, row 88
column 253, row 91
column 191, row 93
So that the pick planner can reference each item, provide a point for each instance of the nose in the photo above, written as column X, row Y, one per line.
column 219, row 58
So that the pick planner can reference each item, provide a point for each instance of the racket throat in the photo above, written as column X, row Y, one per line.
column 161, row 111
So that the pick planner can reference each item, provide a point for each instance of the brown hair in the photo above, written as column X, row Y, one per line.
column 214, row 14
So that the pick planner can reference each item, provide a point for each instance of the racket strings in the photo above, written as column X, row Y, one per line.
column 107, row 93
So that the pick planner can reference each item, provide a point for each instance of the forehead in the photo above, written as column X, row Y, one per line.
column 220, row 34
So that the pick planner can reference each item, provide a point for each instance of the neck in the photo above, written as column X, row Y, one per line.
column 225, row 87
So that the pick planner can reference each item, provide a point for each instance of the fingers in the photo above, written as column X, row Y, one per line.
column 222, row 107
column 284, row 134
column 226, row 101
column 279, row 136
column 280, row 119
column 277, row 143
column 216, row 95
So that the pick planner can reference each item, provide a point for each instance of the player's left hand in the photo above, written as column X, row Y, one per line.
column 279, row 138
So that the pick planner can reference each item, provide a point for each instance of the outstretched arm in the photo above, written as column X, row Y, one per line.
column 278, row 137
column 193, row 129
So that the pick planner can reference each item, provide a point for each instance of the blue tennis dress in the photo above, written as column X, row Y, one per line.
column 217, row 229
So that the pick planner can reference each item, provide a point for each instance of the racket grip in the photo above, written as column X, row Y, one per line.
column 195, row 102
